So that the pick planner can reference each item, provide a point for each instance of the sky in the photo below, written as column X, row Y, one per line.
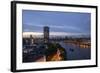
column 58, row 22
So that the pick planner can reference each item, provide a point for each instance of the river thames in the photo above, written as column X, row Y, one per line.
column 75, row 52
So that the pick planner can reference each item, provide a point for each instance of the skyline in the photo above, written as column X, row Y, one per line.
column 58, row 22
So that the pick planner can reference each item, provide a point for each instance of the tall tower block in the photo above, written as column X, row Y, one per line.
column 46, row 34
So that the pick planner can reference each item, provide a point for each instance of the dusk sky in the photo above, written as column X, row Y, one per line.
column 62, row 22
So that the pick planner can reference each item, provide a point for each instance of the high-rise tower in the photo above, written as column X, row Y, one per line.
column 46, row 34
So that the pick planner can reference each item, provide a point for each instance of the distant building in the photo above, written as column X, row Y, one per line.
column 46, row 34
column 31, row 40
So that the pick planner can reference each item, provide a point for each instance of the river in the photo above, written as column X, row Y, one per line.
column 76, row 53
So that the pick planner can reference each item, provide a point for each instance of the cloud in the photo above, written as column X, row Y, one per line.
column 55, row 34
column 37, row 27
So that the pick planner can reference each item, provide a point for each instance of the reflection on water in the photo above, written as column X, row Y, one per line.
column 75, row 52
